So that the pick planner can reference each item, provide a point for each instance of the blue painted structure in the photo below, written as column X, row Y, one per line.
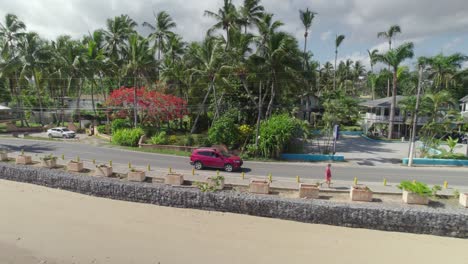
column 311, row 157
column 349, row 133
column 435, row 162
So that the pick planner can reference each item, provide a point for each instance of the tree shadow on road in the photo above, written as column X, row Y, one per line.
column 31, row 148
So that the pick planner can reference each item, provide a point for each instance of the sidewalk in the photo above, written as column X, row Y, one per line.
column 240, row 179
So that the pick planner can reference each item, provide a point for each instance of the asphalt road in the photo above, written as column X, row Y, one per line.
column 432, row 175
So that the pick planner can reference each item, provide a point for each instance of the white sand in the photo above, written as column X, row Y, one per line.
column 42, row 225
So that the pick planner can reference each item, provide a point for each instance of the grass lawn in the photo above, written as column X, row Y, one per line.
column 158, row 151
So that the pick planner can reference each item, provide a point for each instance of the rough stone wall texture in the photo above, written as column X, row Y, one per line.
column 436, row 221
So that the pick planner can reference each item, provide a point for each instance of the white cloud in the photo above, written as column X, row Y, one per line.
column 455, row 42
column 325, row 35
column 359, row 20
column 465, row 65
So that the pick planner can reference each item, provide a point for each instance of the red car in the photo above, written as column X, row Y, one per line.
column 213, row 158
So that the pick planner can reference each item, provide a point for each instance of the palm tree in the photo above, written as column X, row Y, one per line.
column 251, row 12
column 394, row 58
column 438, row 104
column 306, row 17
column 207, row 59
column 69, row 56
column 338, row 40
column 227, row 17
column 93, row 59
column 139, row 62
column 275, row 51
column 442, row 69
column 11, row 33
column 372, row 58
column 389, row 35
column 163, row 24
column 36, row 54
column 116, row 36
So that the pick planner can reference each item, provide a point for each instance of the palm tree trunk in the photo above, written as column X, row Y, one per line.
column 305, row 48
column 388, row 85
column 227, row 38
column 259, row 114
column 334, row 70
column 216, row 103
column 135, row 101
column 272, row 98
column 393, row 104
column 92, row 97
column 39, row 96
column 194, row 126
column 80, row 86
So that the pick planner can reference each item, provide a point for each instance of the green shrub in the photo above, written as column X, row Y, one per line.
column 172, row 140
column 415, row 187
column 277, row 132
column 159, row 139
column 189, row 140
column 455, row 156
column 127, row 136
column 224, row 131
column 102, row 129
column 149, row 130
column 118, row 124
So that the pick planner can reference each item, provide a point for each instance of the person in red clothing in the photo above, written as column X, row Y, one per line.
column 328, row 175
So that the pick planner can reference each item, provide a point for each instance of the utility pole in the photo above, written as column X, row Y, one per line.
column 415, row 119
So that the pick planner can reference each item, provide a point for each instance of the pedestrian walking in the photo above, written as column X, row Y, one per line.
column 328, row 175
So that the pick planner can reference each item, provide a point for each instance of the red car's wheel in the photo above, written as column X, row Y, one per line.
column 198, row 165
column 228, row 167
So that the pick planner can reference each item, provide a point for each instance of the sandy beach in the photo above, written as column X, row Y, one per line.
column 42, row 225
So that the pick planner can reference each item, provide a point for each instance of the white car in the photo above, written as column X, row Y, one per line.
column 61, row 132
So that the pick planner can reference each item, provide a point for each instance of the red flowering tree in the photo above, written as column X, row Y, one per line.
column 153, row 107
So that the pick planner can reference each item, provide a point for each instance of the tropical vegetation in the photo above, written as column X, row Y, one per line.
column 246, row 61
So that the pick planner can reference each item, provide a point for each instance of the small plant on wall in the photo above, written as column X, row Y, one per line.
column 215, row 183
column 416, row 187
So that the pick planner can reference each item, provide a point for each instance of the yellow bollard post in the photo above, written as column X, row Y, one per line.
column 170, row 170
column 243, row 175
column 298, row 180
column 148, row 167
column 94, row 161
column 63, row 157
column 110, row 163
column 193, row 171
column 129, row 165
column 445, row 184
column 270, row 177
column 78, row 158
column 384, row 182
column 355, row 180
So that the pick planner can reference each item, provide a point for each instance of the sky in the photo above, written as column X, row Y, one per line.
column 434, row 26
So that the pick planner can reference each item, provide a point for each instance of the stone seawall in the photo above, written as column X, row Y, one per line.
column 441, row 222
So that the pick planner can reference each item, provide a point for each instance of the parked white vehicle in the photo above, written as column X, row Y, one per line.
column 60, row 132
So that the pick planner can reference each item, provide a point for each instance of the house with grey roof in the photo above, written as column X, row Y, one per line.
column 377, row 117
column 464, row 107
column 6, row 114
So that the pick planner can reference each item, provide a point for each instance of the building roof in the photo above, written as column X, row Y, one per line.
column 4, row 108
column 382, row 102
column 464, row 99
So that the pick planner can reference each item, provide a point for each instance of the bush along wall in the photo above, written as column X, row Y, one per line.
column 452, row 223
